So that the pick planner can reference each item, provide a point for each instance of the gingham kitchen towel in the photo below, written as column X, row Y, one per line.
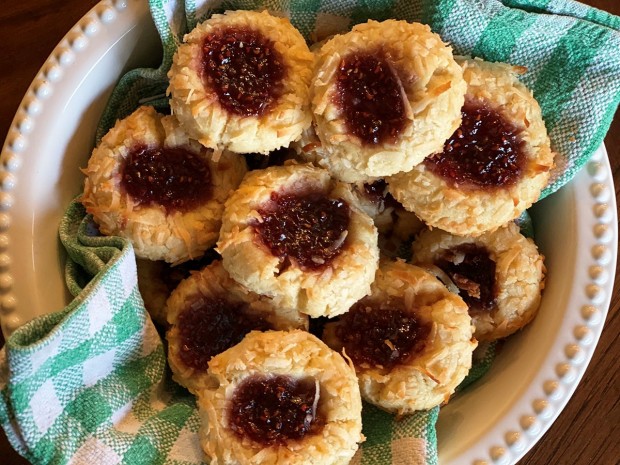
column 89, row 384
column 571, row 51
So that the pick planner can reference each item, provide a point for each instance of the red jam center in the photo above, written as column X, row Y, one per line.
column 275, row 410
column 174, row 178
column 473, row 271
column 485, row 152
column 371, row 98
column 210, row 326
column 380, row 334
column 377, row 192
column 307, row 229
column 244, row 69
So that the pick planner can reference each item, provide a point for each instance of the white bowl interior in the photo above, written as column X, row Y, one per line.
column 507, row 402
column 61, row 143
column 480, row 408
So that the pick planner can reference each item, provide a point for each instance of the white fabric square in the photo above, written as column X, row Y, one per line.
column 186, row 448
column 99, row 311
column 150, row 339
column 39, row 357
column 98, row 367
column 409, row 451
column 127, row 423
column 45, row 406
column 129, row 276
column 93, row 452
column 328, row 24
column 119, row 415
column 159, row 397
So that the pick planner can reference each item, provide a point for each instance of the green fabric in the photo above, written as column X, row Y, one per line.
column 572, row 53
column 89, row 384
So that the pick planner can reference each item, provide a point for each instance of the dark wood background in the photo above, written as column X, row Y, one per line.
column 587, row 431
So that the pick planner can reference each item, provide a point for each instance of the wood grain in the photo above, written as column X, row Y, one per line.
column 588, row 430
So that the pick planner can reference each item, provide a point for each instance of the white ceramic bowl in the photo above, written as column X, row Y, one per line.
column 495, row 421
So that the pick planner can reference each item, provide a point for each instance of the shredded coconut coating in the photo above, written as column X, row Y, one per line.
column 427, row 378
column 328, row 291
column 433, row 86
column 174, row 237
column 519, row 276
column 199, row 110
column 299, row 355
column 214, row 282
column 469, row 212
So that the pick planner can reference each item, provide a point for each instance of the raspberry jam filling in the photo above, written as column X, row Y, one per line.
column 485, row 152
column 473, row 271
column 172, row 177
column 210, row 326
column 306, row 229
column 244, row 68
column 377, row 193
column 275, row 409
column 371, row 98
column 381, row 334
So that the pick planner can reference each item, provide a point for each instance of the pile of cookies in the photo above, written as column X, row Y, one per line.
column 267, row 211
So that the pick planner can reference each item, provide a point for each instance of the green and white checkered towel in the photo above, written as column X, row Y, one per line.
column 89, row 384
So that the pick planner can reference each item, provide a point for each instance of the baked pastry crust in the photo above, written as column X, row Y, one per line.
column 197, row 105
column 431, row 81
column 519, row 275
column 154, row 233
column 297, row 354
column 429, row 377
column 214, row 282
column 468, row 211
column 327, row 291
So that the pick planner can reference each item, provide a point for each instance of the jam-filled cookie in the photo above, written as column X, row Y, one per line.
column 241, row 82
column 384, row 96
column 157, row 280
column 148, row 182
column 295, row 234
column 410, row 339
column 280, row 398
column 208, row 313
column 492, row 168
column 500, row 275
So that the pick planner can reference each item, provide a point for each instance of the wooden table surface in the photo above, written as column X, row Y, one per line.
column 587, row 431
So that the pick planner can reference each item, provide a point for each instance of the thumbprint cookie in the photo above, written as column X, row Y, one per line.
column 280, row 397
column 295, row 234
column 410, row 340
column 148, row 182
column 241, row 82
column 208, row 313
column 157, row 280
column 492, row 168
column 499, row 275
column 384, row 96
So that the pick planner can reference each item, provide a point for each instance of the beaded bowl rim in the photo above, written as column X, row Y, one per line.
column 524, row 423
